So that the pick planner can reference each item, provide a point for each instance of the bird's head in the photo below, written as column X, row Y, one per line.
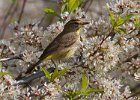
column 74, row 25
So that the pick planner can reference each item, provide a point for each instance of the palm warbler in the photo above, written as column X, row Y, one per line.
column 64, row 45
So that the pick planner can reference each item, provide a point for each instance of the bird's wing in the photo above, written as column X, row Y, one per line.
column 49, row 49
column 68, row 39
column 59, row 43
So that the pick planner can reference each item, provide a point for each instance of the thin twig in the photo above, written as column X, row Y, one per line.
column 132, row 31
column 8, row 20
column 11, row 58
column 90, row 3
column 98, row 48
column 53, row 63
column 7, row 14
column 22, row 10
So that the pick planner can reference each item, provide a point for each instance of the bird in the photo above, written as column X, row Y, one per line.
column 64, row 45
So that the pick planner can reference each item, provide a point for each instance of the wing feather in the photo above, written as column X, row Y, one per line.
column 61, row 42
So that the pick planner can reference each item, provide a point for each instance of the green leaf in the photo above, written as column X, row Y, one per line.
column 49, row 11
column 54, row 74
column 47, row 74
column 137, row 22
column 120, row 30
column 122, row 20
column 0, row 64
column 85, row 83
column 112, row 18
column 72, row 94
column 57, row 74
column 64, row 7
column 62, row 72
column 73, row 4
column 6, row 73
column 93, row 90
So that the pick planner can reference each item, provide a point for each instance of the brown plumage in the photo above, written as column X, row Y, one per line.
column 64, row 45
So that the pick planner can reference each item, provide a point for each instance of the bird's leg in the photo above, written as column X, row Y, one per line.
column 53, row 63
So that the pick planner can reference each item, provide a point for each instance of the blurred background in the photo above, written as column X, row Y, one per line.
column 29, row 11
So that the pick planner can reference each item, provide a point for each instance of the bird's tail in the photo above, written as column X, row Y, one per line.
column 29, row 70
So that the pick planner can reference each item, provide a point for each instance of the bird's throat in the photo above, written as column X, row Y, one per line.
column 78, row 32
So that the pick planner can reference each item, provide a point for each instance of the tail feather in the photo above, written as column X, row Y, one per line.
column 29, row 70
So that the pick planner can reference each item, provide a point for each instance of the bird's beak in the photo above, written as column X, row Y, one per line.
column 84, row 23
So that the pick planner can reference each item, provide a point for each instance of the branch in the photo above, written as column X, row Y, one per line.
column 7, row 59
column 10, row 13
column 28, row 79
column 22, row 10
column 99, row 45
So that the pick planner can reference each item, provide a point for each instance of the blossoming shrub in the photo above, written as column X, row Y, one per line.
column 109, row 56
